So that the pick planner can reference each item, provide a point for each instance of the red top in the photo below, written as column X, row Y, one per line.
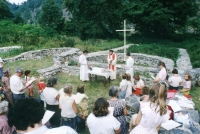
column 41, row 85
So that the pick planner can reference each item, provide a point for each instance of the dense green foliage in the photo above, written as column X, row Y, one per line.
column 156, row 49
column 95, row 18
column 160, row 17
column 51, row 16
column 4, row 10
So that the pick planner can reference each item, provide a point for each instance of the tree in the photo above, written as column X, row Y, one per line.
column 4, row 10
column 95, row 18
column 160, row 17
column 51, row 16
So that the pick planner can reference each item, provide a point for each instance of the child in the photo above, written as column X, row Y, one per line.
column 139, row 84
column 41, row 86
column 145, row 93
column 123, row 87
column 186, row 85
column 82, row 108
column 175, row 80
column 28, row 78
column 130, row 85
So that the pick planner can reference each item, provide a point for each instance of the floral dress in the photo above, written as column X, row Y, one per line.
column 119, row 106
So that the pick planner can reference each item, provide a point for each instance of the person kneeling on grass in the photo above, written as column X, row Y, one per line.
column 26, row 116
column 123, row 87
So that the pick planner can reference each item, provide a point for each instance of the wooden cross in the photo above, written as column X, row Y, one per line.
column 124, row 30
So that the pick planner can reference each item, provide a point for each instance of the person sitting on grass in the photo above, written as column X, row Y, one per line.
column 123, row 87
column 175, row 81
column 129, row 85
column 26, row 116
column 68, row 108
column 100, row 121
column 82, row 108
column 139, row 85
column 145, row 93
column 186, row 85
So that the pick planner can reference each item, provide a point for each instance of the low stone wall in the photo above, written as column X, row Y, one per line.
column 50, row 71
column 139, row 59
column 6, row 49
column 35, row 55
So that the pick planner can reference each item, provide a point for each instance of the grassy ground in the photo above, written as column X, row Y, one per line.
column 94, row 91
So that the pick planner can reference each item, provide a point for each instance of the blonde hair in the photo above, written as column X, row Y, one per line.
column 128, row 78
column 158, row 95
column 41, row 78
column 67, row 89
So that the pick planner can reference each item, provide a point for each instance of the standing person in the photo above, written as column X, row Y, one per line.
column 129, row 65
column 120, row 110
column 100, row 121
column 6, row 87
column 27, row 78
column 41, row 86
column 26, row 116
column 153, row 112
column 112, row 59
column 17, row 86
column 175, row 81
column 162, row 74
column 51, row 97
column 186, row 85
column 4, row 127
column 1, row 68
column 83, row 66
column 68, row 108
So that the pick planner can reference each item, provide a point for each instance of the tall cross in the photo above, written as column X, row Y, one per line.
column 124, row 30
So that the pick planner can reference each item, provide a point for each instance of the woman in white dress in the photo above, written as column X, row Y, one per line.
column 153, row 112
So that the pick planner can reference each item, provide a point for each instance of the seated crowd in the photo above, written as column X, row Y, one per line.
column 23, row 114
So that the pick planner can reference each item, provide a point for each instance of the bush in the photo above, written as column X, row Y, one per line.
column 67, row 42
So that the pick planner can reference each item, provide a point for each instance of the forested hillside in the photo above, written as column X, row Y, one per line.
column 30, row 10
column 92, row 25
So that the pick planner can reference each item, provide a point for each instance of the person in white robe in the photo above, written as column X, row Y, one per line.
column 112, row 59
column 129, row 66
column 83, row 66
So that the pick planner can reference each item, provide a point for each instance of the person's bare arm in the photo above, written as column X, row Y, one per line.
column 118, row 131
column 139, row 117
column 125, row 111
column 158, row 128
column 75, row 107
column 58, row 97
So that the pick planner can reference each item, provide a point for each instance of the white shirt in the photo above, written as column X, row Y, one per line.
column 187, row 84
column 102, row 125
column 140, row 83
column 1, row 62
column 59, row 130
column 162, row 74
column 65, row 103
column 175, row 80
column 50, row 94
column 123, row 85
column 16, row 84
column 83, row 60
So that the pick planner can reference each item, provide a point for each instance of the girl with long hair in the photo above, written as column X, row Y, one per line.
column 153, row 112
column 162, row 74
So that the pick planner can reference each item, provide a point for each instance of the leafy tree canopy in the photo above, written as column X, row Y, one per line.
column 51, row 16
column 4, row 10
column 95, row 18
column 160, row 17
